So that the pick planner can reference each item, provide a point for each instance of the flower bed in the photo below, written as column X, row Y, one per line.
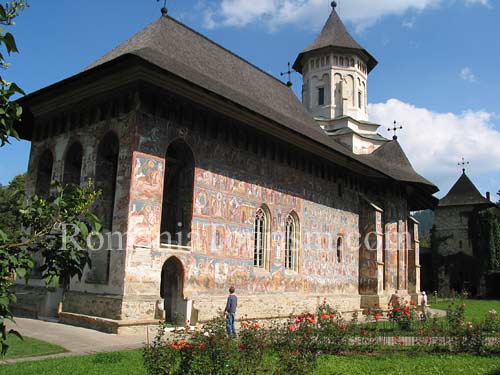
column 294, row 346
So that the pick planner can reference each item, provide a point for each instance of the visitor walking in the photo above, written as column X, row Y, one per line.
column 230, row 311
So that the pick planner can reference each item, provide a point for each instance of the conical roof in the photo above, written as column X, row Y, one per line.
column 463, row 193
column 335, row 35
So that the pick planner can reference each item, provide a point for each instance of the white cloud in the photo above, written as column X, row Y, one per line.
column 467, row 75
column 436, row 142
column 485, row 3
column 311, row 13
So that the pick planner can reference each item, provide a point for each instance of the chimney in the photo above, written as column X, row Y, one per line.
column 488, row 196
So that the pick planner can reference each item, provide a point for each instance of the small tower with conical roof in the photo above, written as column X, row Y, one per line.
column 335, row 72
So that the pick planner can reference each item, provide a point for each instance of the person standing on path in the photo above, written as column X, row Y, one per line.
column 424, row 305
column 230, row 311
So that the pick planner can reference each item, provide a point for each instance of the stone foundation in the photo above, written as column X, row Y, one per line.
column 35, row 301
column 99, row 305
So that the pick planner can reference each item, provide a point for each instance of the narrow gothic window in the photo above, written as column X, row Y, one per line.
column 73, row 165
column 360, row 99
column 292, row 242
column 261, row 229
column 321, row 96
column 44, row 175
column 339, row 249
column 178, row 188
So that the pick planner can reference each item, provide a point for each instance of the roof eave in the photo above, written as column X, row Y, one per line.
column 371, row 62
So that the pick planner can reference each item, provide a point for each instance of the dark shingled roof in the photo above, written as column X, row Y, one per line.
column 181, row 51
column 184, row 52
column 391, row 158
column 335, row 35
column 464, row 193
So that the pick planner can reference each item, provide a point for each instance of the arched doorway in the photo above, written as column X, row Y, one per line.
column 172, row 291
column 177, row 209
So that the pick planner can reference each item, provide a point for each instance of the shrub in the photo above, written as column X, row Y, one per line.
column 402, row 313
column 455, row 315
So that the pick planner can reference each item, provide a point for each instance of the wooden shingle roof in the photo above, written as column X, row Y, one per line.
column 335, row 35
column 463, row 193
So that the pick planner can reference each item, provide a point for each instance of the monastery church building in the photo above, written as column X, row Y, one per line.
column 219, row 176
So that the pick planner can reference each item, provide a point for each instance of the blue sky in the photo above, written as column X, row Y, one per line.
column 437, row 75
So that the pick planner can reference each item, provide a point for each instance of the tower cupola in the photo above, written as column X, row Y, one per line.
column 335, row 72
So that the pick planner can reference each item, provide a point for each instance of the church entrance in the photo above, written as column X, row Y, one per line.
column 172, row 286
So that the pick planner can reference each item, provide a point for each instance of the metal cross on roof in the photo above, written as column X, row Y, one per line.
column 164, row 10
column 395, row 129
column 463, row 163
column 289, row 72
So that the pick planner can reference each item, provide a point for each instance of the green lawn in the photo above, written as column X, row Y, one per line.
column 130, row 363
column 414, row 365
column 29, row 347
column 475, row 309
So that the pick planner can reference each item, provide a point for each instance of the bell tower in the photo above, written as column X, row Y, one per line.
column 335, row 71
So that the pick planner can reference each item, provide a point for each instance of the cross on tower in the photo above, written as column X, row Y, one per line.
column 463, row 163
column 395, row 129
column 164, row 10
column 289, row 72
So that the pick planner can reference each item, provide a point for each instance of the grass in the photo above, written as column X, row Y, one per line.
column 130, row 363
column 414, row 365
column 475, row 309
column 117, row 363
column 29, row 347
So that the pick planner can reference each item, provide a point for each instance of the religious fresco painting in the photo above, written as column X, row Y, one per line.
column 146, row 198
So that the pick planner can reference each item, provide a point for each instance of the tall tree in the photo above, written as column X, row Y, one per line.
column 59, row 225
column 10, row 111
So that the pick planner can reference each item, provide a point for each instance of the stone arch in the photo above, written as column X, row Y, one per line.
column 73, row 160
column 350, row 90
column 172, row 291
column 105, row 176
column 105, row 181
column 326, row 84
column 44, row 174
column 178, row 190
column 337, row 79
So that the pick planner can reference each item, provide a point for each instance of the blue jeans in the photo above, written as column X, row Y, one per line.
column 231, row 331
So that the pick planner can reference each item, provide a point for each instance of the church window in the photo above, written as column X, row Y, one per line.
column 292, row 241
column 321, row 96
column 327, row 60
column 339, row 249
column 317, row 63
column 73, row 164
column 335, row 60
column 360, row 99
column 261, row 237
column 312, row 64
column 178, row 188
column 352, row 62
column 44, row 175
column 341, row 61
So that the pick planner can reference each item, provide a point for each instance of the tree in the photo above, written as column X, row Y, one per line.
column 10, row 111
column 58, row 227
